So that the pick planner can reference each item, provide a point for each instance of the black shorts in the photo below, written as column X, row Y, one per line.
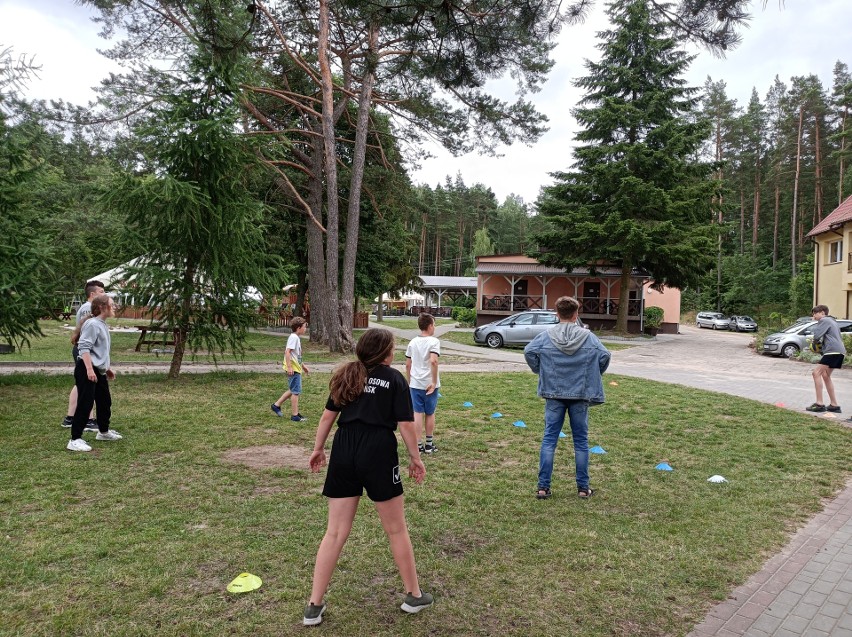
column 834, row 361
column 363, row 457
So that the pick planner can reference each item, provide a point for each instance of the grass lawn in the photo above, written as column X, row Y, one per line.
column 408, row 323
column 55, row 346
column 141, row 536
column 466, row 338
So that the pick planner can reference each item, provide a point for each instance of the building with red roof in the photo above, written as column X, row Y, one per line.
column 833, row 260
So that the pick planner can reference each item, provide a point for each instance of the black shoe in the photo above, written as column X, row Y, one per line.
column 67, row 421
column 414, row 604
column 835, row 409
column 313, row 614
column 92, row 425
column 429, row 448
column 815, row 407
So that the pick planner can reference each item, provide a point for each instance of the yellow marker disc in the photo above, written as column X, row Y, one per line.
column 244, row 582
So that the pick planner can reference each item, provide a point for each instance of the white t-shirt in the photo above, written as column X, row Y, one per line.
column 295, row 343
column 419, row 350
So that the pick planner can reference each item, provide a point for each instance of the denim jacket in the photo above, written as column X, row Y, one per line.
column 574, row 376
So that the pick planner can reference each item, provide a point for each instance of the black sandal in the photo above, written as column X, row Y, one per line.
column 542, row 493
column 586, row 493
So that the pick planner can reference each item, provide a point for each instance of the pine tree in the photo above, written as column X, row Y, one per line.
column 636, row 197
column 26, row 281
column 194, row 219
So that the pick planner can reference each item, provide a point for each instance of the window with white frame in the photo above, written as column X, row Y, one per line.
column 835, row 252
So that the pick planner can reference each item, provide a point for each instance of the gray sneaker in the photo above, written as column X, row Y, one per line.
column 313, row 614
column 414, row 604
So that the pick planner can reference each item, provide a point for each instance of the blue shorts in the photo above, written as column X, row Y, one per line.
column 424, row 404
column 296, row 383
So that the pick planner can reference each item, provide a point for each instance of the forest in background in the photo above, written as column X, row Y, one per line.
column 784, row 167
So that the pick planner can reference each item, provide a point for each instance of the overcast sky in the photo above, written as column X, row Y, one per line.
column 797, row 39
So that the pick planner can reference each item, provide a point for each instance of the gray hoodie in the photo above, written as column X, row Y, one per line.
column 568, row 337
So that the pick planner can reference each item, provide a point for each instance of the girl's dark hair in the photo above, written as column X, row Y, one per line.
column 99, row 303
column 347, row 381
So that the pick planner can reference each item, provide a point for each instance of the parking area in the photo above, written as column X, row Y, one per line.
column 722, row 361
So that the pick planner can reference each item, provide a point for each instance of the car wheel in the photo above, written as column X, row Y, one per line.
column 494, row 341
column 715, row 327
column 789, row 350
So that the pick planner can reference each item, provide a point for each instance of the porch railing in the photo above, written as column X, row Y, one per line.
column 506, row 303
column 588, row 305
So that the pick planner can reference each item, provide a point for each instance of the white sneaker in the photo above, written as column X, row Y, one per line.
column 112, row 434
column 78, row 445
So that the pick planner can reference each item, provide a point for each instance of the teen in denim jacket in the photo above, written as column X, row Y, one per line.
column 569, row 361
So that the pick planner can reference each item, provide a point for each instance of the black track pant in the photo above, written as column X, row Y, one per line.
column 89, row 394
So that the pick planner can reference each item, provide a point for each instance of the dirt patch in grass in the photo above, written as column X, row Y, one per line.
column 270, row 457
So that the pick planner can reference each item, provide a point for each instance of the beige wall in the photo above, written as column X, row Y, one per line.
column 832, row 281
column 668, row 300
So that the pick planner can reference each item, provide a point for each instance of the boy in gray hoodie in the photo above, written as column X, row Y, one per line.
column 569, row 361
column 826, row 335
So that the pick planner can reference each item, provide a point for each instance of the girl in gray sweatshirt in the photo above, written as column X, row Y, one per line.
column 92, row 373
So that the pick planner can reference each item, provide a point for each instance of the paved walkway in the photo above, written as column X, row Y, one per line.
column 806, row 589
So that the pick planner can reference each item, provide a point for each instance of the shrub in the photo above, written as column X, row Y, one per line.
column 465, row 316
column 653, row 316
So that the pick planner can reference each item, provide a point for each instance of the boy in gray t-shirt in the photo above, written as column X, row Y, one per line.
column 827, row 340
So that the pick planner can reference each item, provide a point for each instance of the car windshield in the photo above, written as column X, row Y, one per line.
column 794, row 328
column 747, row 319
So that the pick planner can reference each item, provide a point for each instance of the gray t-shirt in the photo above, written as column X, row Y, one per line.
column 83, row 311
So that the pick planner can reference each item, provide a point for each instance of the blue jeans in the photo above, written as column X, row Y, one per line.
column 554, row 418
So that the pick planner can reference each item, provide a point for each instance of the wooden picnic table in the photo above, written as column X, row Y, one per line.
column 148, row 336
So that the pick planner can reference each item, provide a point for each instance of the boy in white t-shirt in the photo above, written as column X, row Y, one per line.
column 294, row 366
column 421, row 367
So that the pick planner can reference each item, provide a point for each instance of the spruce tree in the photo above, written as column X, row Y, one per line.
column 637, row 197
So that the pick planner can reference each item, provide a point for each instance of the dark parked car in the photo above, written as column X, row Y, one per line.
column 518, row 329
column 743, row 324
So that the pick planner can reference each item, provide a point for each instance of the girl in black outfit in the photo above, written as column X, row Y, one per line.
column 368, row 399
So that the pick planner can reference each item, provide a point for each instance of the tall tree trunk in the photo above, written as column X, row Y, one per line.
column 775, row 240
column 742, row 220
column 755, row 215
column 437, row 271
column 319, row 314
column 794, row 220
column 422, row 257
column 817, row 173
column 720, row 214
column 350, row 252
column 461, row 246
column 185, row 320
column 301, row 293
column 332, row 281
